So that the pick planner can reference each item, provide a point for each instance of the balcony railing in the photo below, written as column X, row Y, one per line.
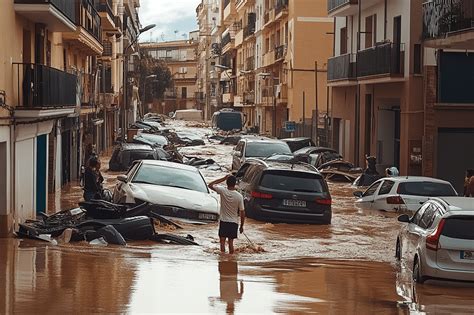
column 444, row 17
column 336, row 4
column 381, row 60
column 66, row 7
column 250, row 28
column 107, row 48
column 226, row 3
column 105, row 6
column 39, row 86
column 342, row 67
column 89, row 19
column 170, row 95
column 280, row 52
column 226, row 39
column 280, row 6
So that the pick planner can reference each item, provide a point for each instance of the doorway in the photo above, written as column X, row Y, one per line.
column 3, row 179
column 41, row 167
column 66, row 157
column 388, row 137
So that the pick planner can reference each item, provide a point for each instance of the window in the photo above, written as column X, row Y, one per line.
column 184, row 92
column 417, row 217
column 428, row 217
column 386, row 187
column 417, row 59
column 459, row 227
column 371, row 190
column 293, row 181
column 343, row 40
column 426, row 189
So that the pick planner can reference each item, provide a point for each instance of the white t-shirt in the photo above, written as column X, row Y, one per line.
column 232, row 203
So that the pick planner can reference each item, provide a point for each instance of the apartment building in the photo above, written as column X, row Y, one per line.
column 448, row 128
column 181, row 58
column 376, row 82
column 50, row 109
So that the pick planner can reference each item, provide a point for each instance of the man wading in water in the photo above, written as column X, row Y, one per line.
column 232, row 206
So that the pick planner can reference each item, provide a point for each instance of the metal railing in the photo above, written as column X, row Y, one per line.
column 89, row 18
column 381, row 59
column 66, row 7
column 441, row 17
column 250, row 63
column 105, row 6
column 336, row 4
column 226, row 39
column 280, row 6
column 280, row 52
column 249, row 29
column 342, row 67
column 40, row 86
column 107, row 48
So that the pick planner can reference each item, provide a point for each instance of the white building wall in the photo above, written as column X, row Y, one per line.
column 5, row 200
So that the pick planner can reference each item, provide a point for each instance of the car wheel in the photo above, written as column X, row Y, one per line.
column 398, row 251
column 417, row 277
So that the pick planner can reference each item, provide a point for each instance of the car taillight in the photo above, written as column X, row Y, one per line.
column 432, row 241
column 260, row 195
column 326, row 201
column 395, row 200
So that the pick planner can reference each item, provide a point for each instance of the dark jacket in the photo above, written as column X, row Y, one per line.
column 91, row 183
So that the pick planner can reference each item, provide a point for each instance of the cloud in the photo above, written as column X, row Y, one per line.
column 169, row 16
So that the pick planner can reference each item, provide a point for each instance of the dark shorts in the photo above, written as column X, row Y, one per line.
column 228, row 229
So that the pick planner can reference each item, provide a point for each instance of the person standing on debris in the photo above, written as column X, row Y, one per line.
column 469, row 184
column 92, row 180
column 232, row 206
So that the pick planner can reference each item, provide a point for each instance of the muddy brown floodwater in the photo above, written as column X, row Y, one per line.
column 345, row 268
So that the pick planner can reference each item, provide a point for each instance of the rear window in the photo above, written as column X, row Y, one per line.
column 265, row 149
column 461, row 228
column 140, row 155
column 427, row 189
column 293, row 181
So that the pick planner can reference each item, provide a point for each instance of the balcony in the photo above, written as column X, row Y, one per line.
column 250, row 64
column 170, row 95
column 269, row 58
column 381, row 60
column 342, row 8
column 280, row 52
column 342, row 67
column 108, row 100
column 227, row 98
column 281, row 9
column 227, row 43
column 282, row 92
column 88, row 35
column 43, row 91
column 268, row 18
column 107, row 48
column 449, row 24
column 104, row 7
column 58, row 15
column 239, row 38
column 229, row 11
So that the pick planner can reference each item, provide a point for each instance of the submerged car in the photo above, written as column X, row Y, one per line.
column 151, row 139
column 125, row 154
column 296, row 144
column 284, row 192
column 438, row 241
column 402, row 193
column 317, row 156
column 254, row 147
column 175, row 190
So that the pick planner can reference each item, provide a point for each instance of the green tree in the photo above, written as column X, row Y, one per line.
column 153, row 87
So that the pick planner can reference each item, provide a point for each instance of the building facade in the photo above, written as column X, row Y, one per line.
column 181, row 59
column 50, row 100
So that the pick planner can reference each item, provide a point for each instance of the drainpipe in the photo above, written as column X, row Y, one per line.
column 12, row 174
column 385, row 21
column 357, row 107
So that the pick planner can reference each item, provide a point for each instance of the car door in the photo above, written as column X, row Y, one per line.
column 120, row 189
column 368, row 197
column 380, row 196
column 417, row 229
column 237, row 155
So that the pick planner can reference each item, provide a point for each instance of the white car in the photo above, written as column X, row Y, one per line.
column 174, row 190
column 438, row 241
column 405, row 193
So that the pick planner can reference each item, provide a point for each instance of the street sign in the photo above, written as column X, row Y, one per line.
column 290, row 126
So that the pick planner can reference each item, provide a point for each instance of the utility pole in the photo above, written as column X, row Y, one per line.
column 316, row 101
column 274, row 108
column 304, row 114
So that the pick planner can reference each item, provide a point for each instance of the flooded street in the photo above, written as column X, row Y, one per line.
column 345, row 268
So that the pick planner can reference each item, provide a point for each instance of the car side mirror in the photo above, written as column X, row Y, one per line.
column 122, row 178
column 404, row 218
column 358, row 194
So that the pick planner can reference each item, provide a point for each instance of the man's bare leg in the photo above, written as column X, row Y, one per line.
column 222, row 242
column 231, row 245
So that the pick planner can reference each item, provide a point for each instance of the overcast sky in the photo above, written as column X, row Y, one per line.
column 169, row 16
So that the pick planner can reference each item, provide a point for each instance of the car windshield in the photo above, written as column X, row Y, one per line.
column 265, row 149
column 170, row 176
column 292, row 181
column 426, row 189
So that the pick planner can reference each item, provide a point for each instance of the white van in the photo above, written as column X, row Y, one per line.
column 188, row 114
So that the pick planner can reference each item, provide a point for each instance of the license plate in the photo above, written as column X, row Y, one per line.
column 294, row 203
column 207, row 216
column 467, row 255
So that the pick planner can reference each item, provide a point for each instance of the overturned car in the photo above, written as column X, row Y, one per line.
column 175, row 190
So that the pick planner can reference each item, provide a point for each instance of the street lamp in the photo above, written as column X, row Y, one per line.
column 266, row 75
column 151, row 76
column 125, row 72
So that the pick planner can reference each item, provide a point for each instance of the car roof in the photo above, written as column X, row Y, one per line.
column 171, row 165
column 296, row 139
column 278, row 165
column 135, row 146
column 319, row 149
column 263, row 140
column 403, row 179
column 456, row 204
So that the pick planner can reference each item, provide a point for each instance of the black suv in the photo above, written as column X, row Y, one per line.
column 284, row 192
